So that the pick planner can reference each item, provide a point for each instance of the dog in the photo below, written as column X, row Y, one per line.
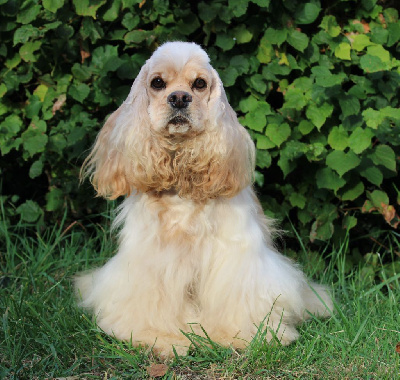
column 195, row 248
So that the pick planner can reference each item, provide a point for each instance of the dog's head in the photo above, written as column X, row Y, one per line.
column 175, row 131
column 179, row 82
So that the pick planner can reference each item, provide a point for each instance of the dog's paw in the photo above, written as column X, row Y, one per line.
column 169, row 351
column 165, row 346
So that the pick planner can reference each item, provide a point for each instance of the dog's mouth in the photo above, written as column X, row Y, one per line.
column 179, row 120
column 178, row 125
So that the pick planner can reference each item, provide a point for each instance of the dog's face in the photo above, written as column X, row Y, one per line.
column 178, row 90
column 175, row 132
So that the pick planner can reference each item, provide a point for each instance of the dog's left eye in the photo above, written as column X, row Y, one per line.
column 157, row 83
column 199, row 84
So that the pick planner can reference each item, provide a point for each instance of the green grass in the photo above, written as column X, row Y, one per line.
column 44, row 335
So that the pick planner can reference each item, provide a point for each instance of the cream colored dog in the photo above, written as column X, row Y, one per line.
column 195, row 246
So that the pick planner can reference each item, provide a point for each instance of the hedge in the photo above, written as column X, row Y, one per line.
column 315, row 82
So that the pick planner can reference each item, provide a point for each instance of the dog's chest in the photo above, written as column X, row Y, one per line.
column 181, row 221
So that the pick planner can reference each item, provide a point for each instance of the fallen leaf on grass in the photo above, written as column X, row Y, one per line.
column 157, row 370
column 398, row 348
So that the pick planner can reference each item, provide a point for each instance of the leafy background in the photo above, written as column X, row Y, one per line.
column 315, row 82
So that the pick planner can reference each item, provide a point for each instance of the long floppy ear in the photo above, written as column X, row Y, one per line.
column 239, row 147
column 109, row 165
column 220, row 162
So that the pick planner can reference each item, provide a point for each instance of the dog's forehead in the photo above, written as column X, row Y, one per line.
column 176, row 55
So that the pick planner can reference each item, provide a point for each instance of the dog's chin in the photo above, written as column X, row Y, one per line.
column 179, row 126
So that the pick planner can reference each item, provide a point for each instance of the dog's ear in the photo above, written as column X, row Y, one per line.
column 110, row 165
column 232, row 167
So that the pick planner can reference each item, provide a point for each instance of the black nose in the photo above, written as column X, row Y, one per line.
column 179, row 99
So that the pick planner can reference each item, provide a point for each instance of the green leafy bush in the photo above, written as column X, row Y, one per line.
column 315, row 82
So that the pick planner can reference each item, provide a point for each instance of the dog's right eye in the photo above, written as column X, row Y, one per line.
column 158, row 83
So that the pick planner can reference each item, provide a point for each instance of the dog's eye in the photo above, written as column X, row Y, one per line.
column 199, row 84
column 157, row 83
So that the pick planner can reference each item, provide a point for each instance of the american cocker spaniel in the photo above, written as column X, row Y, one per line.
column 195, row 248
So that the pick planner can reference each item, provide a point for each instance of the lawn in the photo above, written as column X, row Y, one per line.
column 44, row 335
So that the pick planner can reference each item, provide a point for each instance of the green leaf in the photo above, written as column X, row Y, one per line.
column 24, row 33
column 295, row 98
column 34, row 139
column 81, row 72
column 79, row 91
column 350, row 105
column 263, row 159
column 259, row 178
column 9, row 129
column 130, row 21
column 3, row 90
column 391, row 113
column 256, row 118
column 371, row 64
column 240, row 63
column 307, row 13
column 305, row 127
column 29, row 211
column 349, row 221
column 360, row 139
column 29, row 12
column 342, row 162
column 324, row 78
column 136, row 36
column 262, row 3
column 113, row 12
column 36, row 169
column 228, row 76
column 225, row 41
column 378, row 198
column 368, row 4
column 298, row 40
column 275, row 36
column 264, row 142
column 373, row 175
column 26, row 51
column 354, row 192
column 278, row 133
column 87, row 7
column 242, row 35
column 376, row 59
column 338, row 138
column 238, row 7
column 372, row 118
column 328, row 179
column 385, row 156
column 342, row 51
column 105, row 58
column 360, row 42
column 330, row 25
column 265, row 52
column 394, row 34
column 297, row 200
column 318, row 115
column 380, row 52
column 52, row 5
column 54, row 199
column 257, row 82
column 248, row 104
column 13, row 62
